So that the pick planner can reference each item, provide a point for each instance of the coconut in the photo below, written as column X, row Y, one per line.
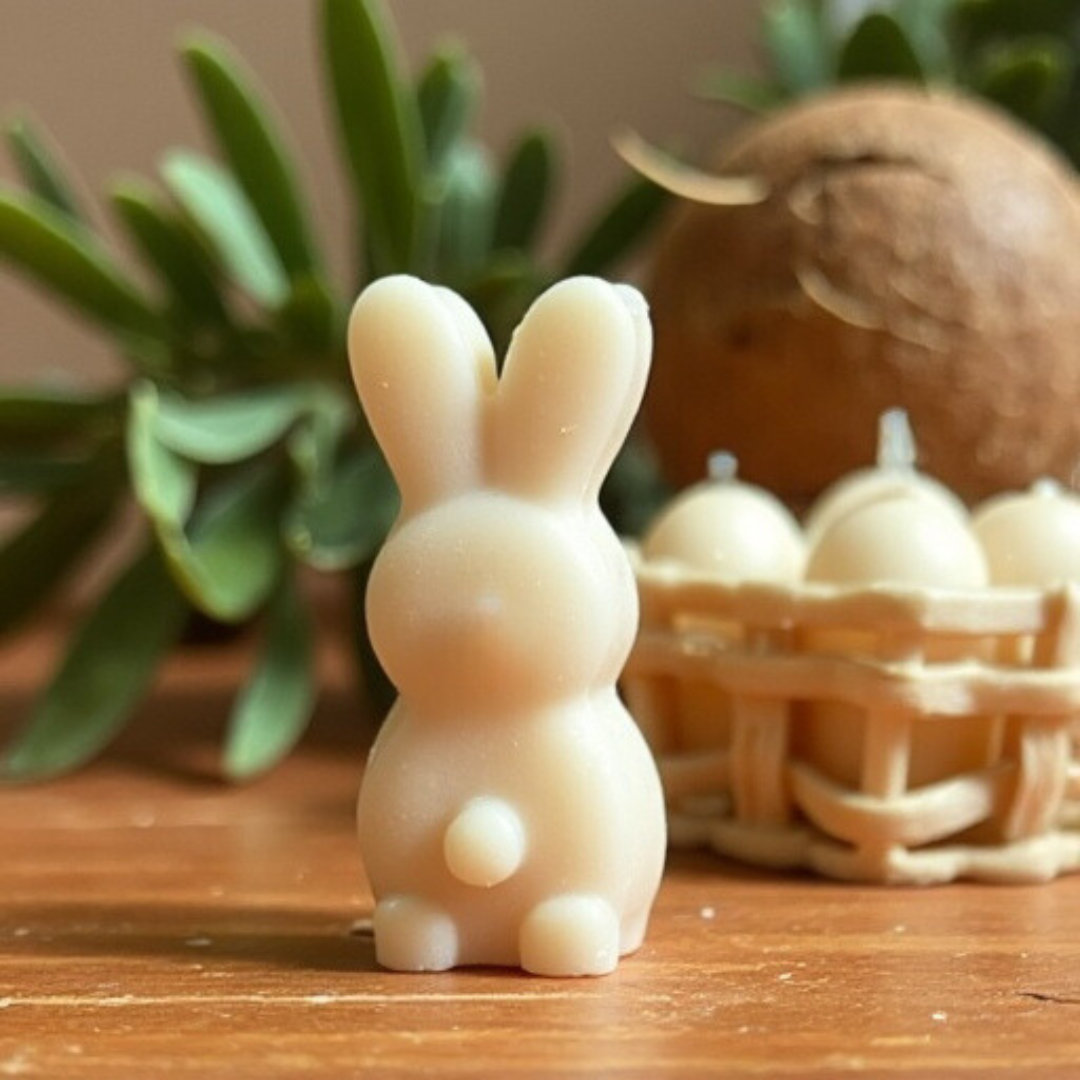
column 912, row 249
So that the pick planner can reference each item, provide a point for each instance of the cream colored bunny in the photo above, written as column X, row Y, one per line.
column 510, row 812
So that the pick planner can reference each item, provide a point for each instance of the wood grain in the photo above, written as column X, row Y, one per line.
column 154, row 922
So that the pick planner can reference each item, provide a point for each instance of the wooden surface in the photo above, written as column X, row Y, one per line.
column 154, row 922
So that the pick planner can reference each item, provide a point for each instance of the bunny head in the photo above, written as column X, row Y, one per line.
column 501, row 583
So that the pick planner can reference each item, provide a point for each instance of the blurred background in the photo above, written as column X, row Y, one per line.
column 869, row 263
column 104, row 80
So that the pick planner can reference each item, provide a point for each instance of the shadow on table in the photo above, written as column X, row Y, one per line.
column 252, row 946
column 232, row 937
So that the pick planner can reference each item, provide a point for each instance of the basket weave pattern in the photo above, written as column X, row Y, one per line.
column 883, row 734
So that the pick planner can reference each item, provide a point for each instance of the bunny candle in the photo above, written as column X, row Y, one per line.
column 510, row 812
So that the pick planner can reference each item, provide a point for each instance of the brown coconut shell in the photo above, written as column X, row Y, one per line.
column 916, row 249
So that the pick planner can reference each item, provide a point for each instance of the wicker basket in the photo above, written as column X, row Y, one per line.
column 882, row 734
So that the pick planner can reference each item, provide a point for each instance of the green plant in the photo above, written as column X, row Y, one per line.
column 237, row 433
column 1021, row 55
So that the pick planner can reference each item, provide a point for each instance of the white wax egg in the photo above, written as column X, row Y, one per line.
column 1031, row 538
column 904, row 540
column 894, row 475
column 872, row 485
column 738, row 531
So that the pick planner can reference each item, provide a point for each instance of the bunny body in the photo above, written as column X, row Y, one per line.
column 511, row 812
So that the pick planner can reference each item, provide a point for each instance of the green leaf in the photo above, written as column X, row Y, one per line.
column 220, row 210
column 345, row 522
column 310, row 317
column 314, row 443
column 36, row 560
column 446, row 96
column 107, row 669
column 634, row 211
column 45, row 244
column 379, row 126
column 798, row 45
column 276, row 703
column 254, row 148
column 153, row 356
column 1029, row 78
column 228, row 429
column 878, row 48
column 25, row 474
column 502, row 291
column 231, row 558
column 982, row 22
column 466, row 214
column 164, row 483
column 509, row 271
column 39, row 162
column 525, row 192
column 171, row 251
column 926, row 23
column 226, row 553
column 34, row 416
column 750, row 92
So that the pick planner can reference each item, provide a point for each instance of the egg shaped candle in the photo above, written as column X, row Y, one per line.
column 1031, row 538
column 907, row 540
column 902, row 540
column 893, row 475
column 736, row 532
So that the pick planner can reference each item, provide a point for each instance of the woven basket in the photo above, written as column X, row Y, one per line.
column 882, row 734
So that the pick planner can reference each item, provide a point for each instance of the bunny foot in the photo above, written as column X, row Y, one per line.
column 570, row 935
column 413, row 935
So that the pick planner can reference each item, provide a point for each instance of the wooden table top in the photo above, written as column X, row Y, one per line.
column 155, row 922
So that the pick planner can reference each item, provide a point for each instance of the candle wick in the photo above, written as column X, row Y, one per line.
column 723, row 466
column 896, row 441
column 1047, row 486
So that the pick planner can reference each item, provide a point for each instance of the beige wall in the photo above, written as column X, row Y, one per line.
column 101, row 75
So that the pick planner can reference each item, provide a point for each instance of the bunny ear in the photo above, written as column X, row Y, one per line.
column 423, row 367
column 572, row 382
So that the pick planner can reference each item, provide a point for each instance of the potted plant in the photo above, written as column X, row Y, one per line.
column 235, row 431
